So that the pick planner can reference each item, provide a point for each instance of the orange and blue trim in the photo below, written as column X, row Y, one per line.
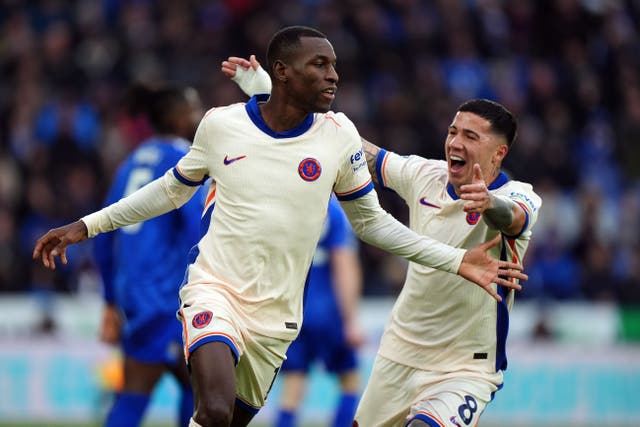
column 187, row 181
column 381, row 164
column 356, row 192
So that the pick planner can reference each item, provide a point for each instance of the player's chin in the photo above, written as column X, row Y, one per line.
column 323, row 105
column 322, row 108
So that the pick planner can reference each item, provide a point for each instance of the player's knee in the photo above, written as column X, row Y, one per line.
column 213, row 413
column 417, row 423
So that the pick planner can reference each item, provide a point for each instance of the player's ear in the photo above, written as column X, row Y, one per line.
column 502, row 151
column 280, row 71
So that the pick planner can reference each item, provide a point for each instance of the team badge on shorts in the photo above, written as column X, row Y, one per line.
column 473, row 218
column 202, row 319
column 309, row 169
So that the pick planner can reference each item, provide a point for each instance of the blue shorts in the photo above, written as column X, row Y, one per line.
column 153, row 338
column 314, row 345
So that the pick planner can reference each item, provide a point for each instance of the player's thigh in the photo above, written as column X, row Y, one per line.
column 179, row 370
column 300, row 355
column 459, row 407
column 257, row 370
column 212, row 347
column 150, row 342
column 213, row 374
column 141, row 377
column 387, row 396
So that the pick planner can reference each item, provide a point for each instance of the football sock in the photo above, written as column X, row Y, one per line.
column 286, row 419
column 127, row 410
column 186, row 407
column 346, row 410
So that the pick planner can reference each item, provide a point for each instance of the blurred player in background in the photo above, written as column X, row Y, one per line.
column 274, row 164
column 443, row 351
column 330, row 332
column 142, row 265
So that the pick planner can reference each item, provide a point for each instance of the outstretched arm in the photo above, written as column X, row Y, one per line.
column 378, row 228
column 154, row 199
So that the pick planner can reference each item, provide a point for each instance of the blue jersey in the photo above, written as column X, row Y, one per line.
column 322, row 333
column 142, row 265
column 321, row 303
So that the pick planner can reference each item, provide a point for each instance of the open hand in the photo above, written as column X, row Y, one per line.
column 55, row 243
column 482, row 269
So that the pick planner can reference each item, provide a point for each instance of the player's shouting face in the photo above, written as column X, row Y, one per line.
column 470, row 140
column 311, row 76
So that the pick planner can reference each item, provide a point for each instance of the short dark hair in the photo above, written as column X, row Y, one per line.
column 285, row 41
column 502, row 120
column 158, row 104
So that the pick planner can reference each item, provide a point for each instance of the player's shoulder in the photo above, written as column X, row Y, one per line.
column 524, row 192
column 424, row 166
column 223, row 112
column 338, row 121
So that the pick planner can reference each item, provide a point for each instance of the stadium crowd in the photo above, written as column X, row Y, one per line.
column 568, row 69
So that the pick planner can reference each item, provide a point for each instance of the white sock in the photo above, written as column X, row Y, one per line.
column 193, row 423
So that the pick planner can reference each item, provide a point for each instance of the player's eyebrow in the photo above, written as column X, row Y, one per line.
column 324, row 58
column 466, row 131
column 471, row 133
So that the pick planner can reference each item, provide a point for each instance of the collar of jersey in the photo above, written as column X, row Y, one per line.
column 256, row 118
column 501, row 180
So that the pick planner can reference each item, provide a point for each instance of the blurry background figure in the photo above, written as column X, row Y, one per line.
column 142, row 265
column 330, row 332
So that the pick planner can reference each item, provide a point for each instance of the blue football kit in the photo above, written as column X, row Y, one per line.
column 143, row 265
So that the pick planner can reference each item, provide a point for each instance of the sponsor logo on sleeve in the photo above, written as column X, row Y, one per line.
column 524, row 199
column 358, row 161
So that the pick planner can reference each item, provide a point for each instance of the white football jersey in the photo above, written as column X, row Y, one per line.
column 440, row 321
column 266, row 208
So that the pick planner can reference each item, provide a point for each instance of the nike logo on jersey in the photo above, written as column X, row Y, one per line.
column 423, row 201
column 228, row 161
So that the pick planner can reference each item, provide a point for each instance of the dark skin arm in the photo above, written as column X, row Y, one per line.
column 55, row 243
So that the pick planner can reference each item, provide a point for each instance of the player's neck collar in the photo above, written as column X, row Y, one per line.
column 500, row 180
column 256, row 118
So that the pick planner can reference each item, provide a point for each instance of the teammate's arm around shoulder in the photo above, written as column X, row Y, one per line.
column 371, row 152
column 247, row 74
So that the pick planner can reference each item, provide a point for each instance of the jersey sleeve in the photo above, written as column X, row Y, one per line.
column 530, row 202
column 340, row 233
column 192, row 169
column 398, row 173
column 354, row 180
